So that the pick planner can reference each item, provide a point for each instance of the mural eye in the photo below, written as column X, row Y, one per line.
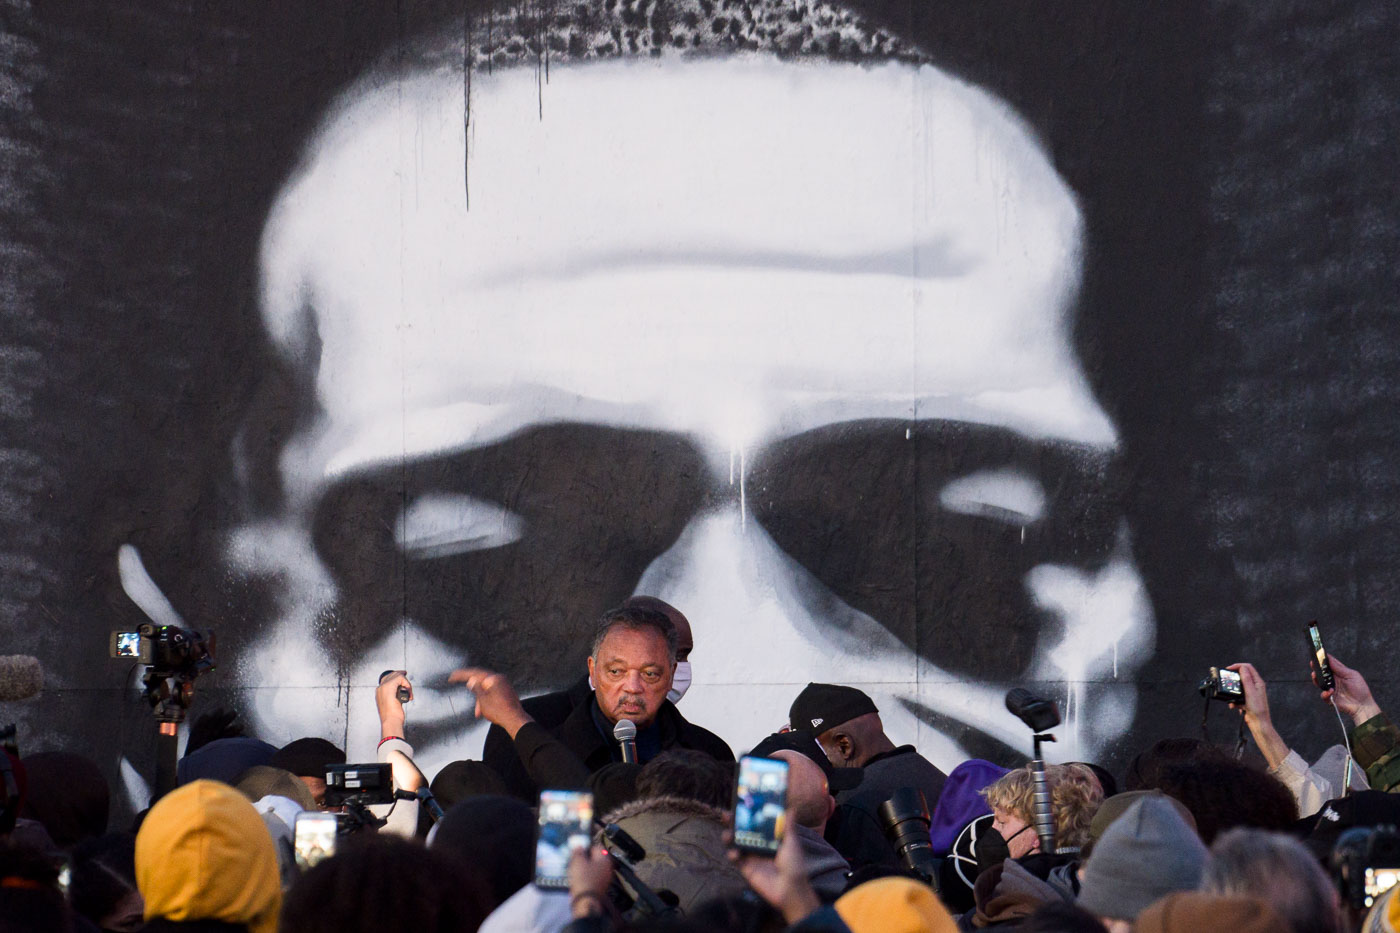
column 1005, row 495
column 443, row 524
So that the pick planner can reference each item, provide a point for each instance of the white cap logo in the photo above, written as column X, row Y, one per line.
column 816, row 722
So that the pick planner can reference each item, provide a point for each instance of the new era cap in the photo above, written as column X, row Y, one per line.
column 820, row 707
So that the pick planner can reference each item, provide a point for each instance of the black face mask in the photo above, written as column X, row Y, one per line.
column 991, row 849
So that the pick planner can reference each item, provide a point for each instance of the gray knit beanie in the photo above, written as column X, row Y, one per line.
column 1146, row 854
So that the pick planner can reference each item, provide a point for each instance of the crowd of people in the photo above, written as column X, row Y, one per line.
column 1190, row 838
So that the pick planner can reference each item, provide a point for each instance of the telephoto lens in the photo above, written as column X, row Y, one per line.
column 906, row 820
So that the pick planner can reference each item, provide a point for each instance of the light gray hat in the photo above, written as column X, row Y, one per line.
column 1144, row 855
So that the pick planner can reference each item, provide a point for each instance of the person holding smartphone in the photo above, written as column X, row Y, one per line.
column 1375, row 742
column 1311, row 785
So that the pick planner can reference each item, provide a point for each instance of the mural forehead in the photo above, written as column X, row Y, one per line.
column 760, row 267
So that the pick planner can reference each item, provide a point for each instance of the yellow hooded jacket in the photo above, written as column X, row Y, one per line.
column 203, row 853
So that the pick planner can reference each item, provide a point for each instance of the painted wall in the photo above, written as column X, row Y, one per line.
column 933, row 348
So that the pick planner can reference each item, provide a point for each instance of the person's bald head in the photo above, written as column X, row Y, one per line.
column 809, row 799
column 855, row 741
column 685, row 639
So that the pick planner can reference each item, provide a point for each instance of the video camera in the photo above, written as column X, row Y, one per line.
column 1366, row 863
column 175, row 657
column 166, row 648
column 357, row 787
column 365, row 784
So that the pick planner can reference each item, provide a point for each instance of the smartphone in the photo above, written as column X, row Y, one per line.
column 314, row 838
column 566, row 825
column 1325, row 680
column 130, row 645
column 1378, row 881
column 760, row 805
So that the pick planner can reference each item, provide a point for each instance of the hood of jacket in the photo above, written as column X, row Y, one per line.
column 203, row 853
column 1009, row 892
column 686, row 853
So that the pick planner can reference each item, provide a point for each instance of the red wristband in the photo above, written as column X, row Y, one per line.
column 390, row 738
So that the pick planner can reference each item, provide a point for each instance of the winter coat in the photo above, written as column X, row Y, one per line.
column 684, row 842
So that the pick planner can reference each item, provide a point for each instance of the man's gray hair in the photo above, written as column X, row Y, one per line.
column 636, row 619
column 1278, row 869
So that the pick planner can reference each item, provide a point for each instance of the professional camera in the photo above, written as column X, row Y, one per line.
column 1366, row 863
column 1223, row 685
column 167, row 648
column 906, row 820
column 357, row 788
column 359, row 784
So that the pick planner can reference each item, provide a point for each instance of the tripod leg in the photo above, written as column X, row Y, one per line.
column 167, row 754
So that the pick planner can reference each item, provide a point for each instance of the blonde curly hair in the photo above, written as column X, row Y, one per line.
column 1075, row 796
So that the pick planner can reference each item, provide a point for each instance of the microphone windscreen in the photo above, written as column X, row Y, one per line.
column 21, row 677
column 625, row 730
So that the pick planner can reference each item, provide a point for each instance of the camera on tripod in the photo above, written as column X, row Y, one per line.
column 172, row 650
column 1224, row 685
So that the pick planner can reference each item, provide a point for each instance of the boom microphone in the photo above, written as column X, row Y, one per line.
column 1036, row 712
column 21, row 677
column 626, row 734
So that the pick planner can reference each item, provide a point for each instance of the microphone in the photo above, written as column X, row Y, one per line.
column 1036, row 712
column 21, row 677
column 626, row 734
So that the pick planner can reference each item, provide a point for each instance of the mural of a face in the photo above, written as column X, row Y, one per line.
column 784, row 343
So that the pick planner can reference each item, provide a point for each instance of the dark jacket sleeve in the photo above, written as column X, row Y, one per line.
column 1376, row 744
column 548, row 761
column 499, row 755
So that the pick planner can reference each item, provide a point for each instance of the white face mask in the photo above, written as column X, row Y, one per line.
column 680, row 682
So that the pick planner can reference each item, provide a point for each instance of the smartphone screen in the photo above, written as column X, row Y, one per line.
column 1325, row 680
column 314, row 838
column 566, row 825
column 760, row 804
column 1378, row 881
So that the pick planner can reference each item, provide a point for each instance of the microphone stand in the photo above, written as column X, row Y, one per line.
column 1040, row 715
column 1044, row 813
column 9, row 784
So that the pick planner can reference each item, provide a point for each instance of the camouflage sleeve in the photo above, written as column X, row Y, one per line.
column 1376, row 745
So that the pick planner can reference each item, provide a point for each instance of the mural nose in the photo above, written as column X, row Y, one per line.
column 763, row 627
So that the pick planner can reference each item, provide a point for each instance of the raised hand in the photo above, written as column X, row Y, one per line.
column 496, row 699
column 1255, row 710
column 1352, row 694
